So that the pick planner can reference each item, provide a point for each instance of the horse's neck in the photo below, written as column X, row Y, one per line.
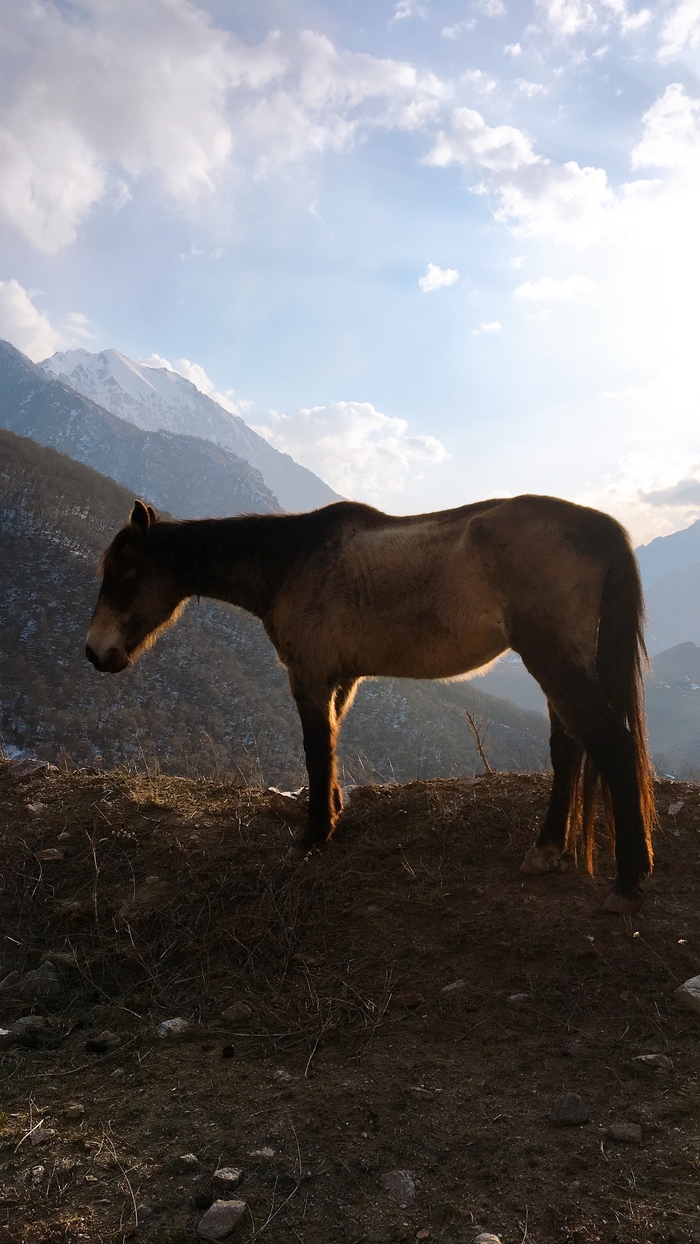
column 229, row 559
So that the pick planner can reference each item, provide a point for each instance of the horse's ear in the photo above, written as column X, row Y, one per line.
column 140, row 517
column 152, row 514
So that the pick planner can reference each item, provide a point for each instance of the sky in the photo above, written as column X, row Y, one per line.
column 437, row 250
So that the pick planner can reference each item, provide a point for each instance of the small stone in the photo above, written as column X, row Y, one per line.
column 461, row 984
column 688, row 994
column 283, row 1076
column 117, row 1073
column 569, row 1110
column 50, row 853
column 27, row 1023
column 187, row 1162
column 485, row 1237
column 36, row 808
column 400, row 1186
column 176, row 1027
column 265, row 1154
column 42, row 983
column 152, row 880
column 74, row 1110
column 674, row 808
column 40, row 1135
column 103, row 1042
column 64, row 837
column 38, row 1173
column 219, row 1221
column 143, row 1212
column 626, row 1133
column 424, row 1234
column 662, row 1062
column 518, row 1000
column 227, row 1176
column 237, row 1013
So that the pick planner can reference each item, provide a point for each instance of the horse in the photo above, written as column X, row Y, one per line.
column 347, row 592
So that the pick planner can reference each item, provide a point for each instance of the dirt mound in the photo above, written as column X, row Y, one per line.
column 402, row 1012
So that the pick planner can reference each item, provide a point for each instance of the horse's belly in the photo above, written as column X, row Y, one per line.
column 406, row 655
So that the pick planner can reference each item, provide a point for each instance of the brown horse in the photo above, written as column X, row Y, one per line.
column 347, row 592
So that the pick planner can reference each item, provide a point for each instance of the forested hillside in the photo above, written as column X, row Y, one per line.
column 211, row 696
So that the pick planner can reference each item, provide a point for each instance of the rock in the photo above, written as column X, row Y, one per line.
column 27, row 1023
column 227, row 1176
column 485, row 1237
column 626, row 1133
column 400, row 1186
column 117, row 1073
column 176, row 1027
column 74, row 1110
column 219, row 1221
column 152, row 880
column 688, row 994
column 50, row 853
column 266, row 1154
column 17, row 770
column 424, row 1234
column 462, row 984
column 518, row 1000
column 674, row 808
column 36, row 985
column 237, row 1013
column 103, row 1042
column 187, row 1162
column 662, row 1062
column 282, row 1076
column 41, row 1134
column 7, row 1036
column 569, row 1110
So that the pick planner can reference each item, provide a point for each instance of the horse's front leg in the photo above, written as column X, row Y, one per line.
column 318, row 727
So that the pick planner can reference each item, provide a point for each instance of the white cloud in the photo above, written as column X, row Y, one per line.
column 530, row 89
column 199, row 378
column 566, row 18
column 493, row 327
column 26, row 328
column 452, row 32
column 549, row 289
column 103, row 93
column 681, row 30
column 408, row 8
column 491, row 8
column 671, row 133
column 437, row 278
column 513, row 49
column 537, row 197
column 362, row 453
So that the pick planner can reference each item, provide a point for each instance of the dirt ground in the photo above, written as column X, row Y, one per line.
column 406, row 1001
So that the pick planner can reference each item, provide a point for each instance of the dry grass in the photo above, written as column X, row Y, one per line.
column 173, row 898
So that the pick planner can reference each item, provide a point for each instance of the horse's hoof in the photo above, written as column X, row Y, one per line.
column 620, row 904
column 541, row 860
column 297, row 853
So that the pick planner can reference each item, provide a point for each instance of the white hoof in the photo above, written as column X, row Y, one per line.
column 541, row 860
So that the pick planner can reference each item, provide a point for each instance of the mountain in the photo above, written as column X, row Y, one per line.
column 673, row 705
column 211, row 697
column 667, row 554
column 186, row 475
column 154, row 398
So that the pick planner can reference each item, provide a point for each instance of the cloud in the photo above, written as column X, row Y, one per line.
column 408, row 8
column 493, row 327
column 537, row 197
column 530, row 89
column 437, row 278
column 453, row 32
column 362, row 453
column 566, row 18
column 491, row 8
column 686, row 492
column 681, row 30
column 671, row 132
column 549, row 289
column 26, row 328
column 513, row 49
column 101, row 94
column 197, row 376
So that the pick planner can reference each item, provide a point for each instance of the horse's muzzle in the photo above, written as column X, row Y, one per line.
column 113, row 663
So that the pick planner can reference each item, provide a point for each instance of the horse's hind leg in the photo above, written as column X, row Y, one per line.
column 565, row 752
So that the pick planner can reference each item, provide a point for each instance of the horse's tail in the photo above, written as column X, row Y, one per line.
column 621, row 661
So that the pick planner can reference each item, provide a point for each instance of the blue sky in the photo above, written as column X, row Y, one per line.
column 436, row 250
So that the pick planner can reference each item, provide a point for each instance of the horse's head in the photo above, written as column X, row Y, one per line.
column 138, row 599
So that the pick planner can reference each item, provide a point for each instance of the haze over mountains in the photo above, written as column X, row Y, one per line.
column 154, row 398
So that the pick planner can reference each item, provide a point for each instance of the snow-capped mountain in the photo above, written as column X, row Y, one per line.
column 155, row 398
